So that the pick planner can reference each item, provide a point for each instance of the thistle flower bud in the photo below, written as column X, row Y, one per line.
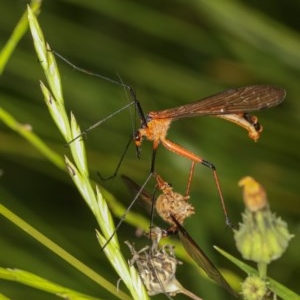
column 261, row 237
column 254, row 288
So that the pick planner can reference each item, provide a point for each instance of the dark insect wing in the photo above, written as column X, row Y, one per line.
column 201, row 259
column 188, row 243
column 144, row 196
column 239, row 100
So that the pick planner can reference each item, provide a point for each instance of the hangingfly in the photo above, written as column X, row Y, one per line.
column 232, row 105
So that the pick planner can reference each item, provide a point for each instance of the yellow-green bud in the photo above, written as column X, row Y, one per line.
column 261, row 237
column 254, row 288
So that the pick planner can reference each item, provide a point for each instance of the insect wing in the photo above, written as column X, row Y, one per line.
column 201, row 259
column 144, row 196
column 243, row 99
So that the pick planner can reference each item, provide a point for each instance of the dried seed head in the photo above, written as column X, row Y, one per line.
column 157, row 267
column 171, row 203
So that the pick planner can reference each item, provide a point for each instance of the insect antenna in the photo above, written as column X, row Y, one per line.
column 85, row 131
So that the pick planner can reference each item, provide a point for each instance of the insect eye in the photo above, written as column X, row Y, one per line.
column 138, row 139
column 148, row 118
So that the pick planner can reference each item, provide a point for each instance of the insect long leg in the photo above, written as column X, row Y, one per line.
column 152, row 169
column 173, row 147
column 119, row 163
column 85, row 131
column 89, row 72
column 190, row 178
column 127, row 210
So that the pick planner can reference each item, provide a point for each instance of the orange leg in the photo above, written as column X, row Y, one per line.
column 175, row 148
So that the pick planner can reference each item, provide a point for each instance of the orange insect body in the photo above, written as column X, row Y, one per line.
column 247, row 121
column 233, row 105
column 155, row 131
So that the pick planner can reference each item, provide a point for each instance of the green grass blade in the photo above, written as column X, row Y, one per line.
column 40, row 283
column 276, row 287
column 17, row 34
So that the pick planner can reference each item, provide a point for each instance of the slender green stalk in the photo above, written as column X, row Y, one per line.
column 60, row 252
column 17, row 34
column 262, row 237
column 25, row 131
column 79, row 169
column 37, row 282
column 280, row 290
column 2, row 297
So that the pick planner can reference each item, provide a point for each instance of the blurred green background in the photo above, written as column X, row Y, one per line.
column 172, row 52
